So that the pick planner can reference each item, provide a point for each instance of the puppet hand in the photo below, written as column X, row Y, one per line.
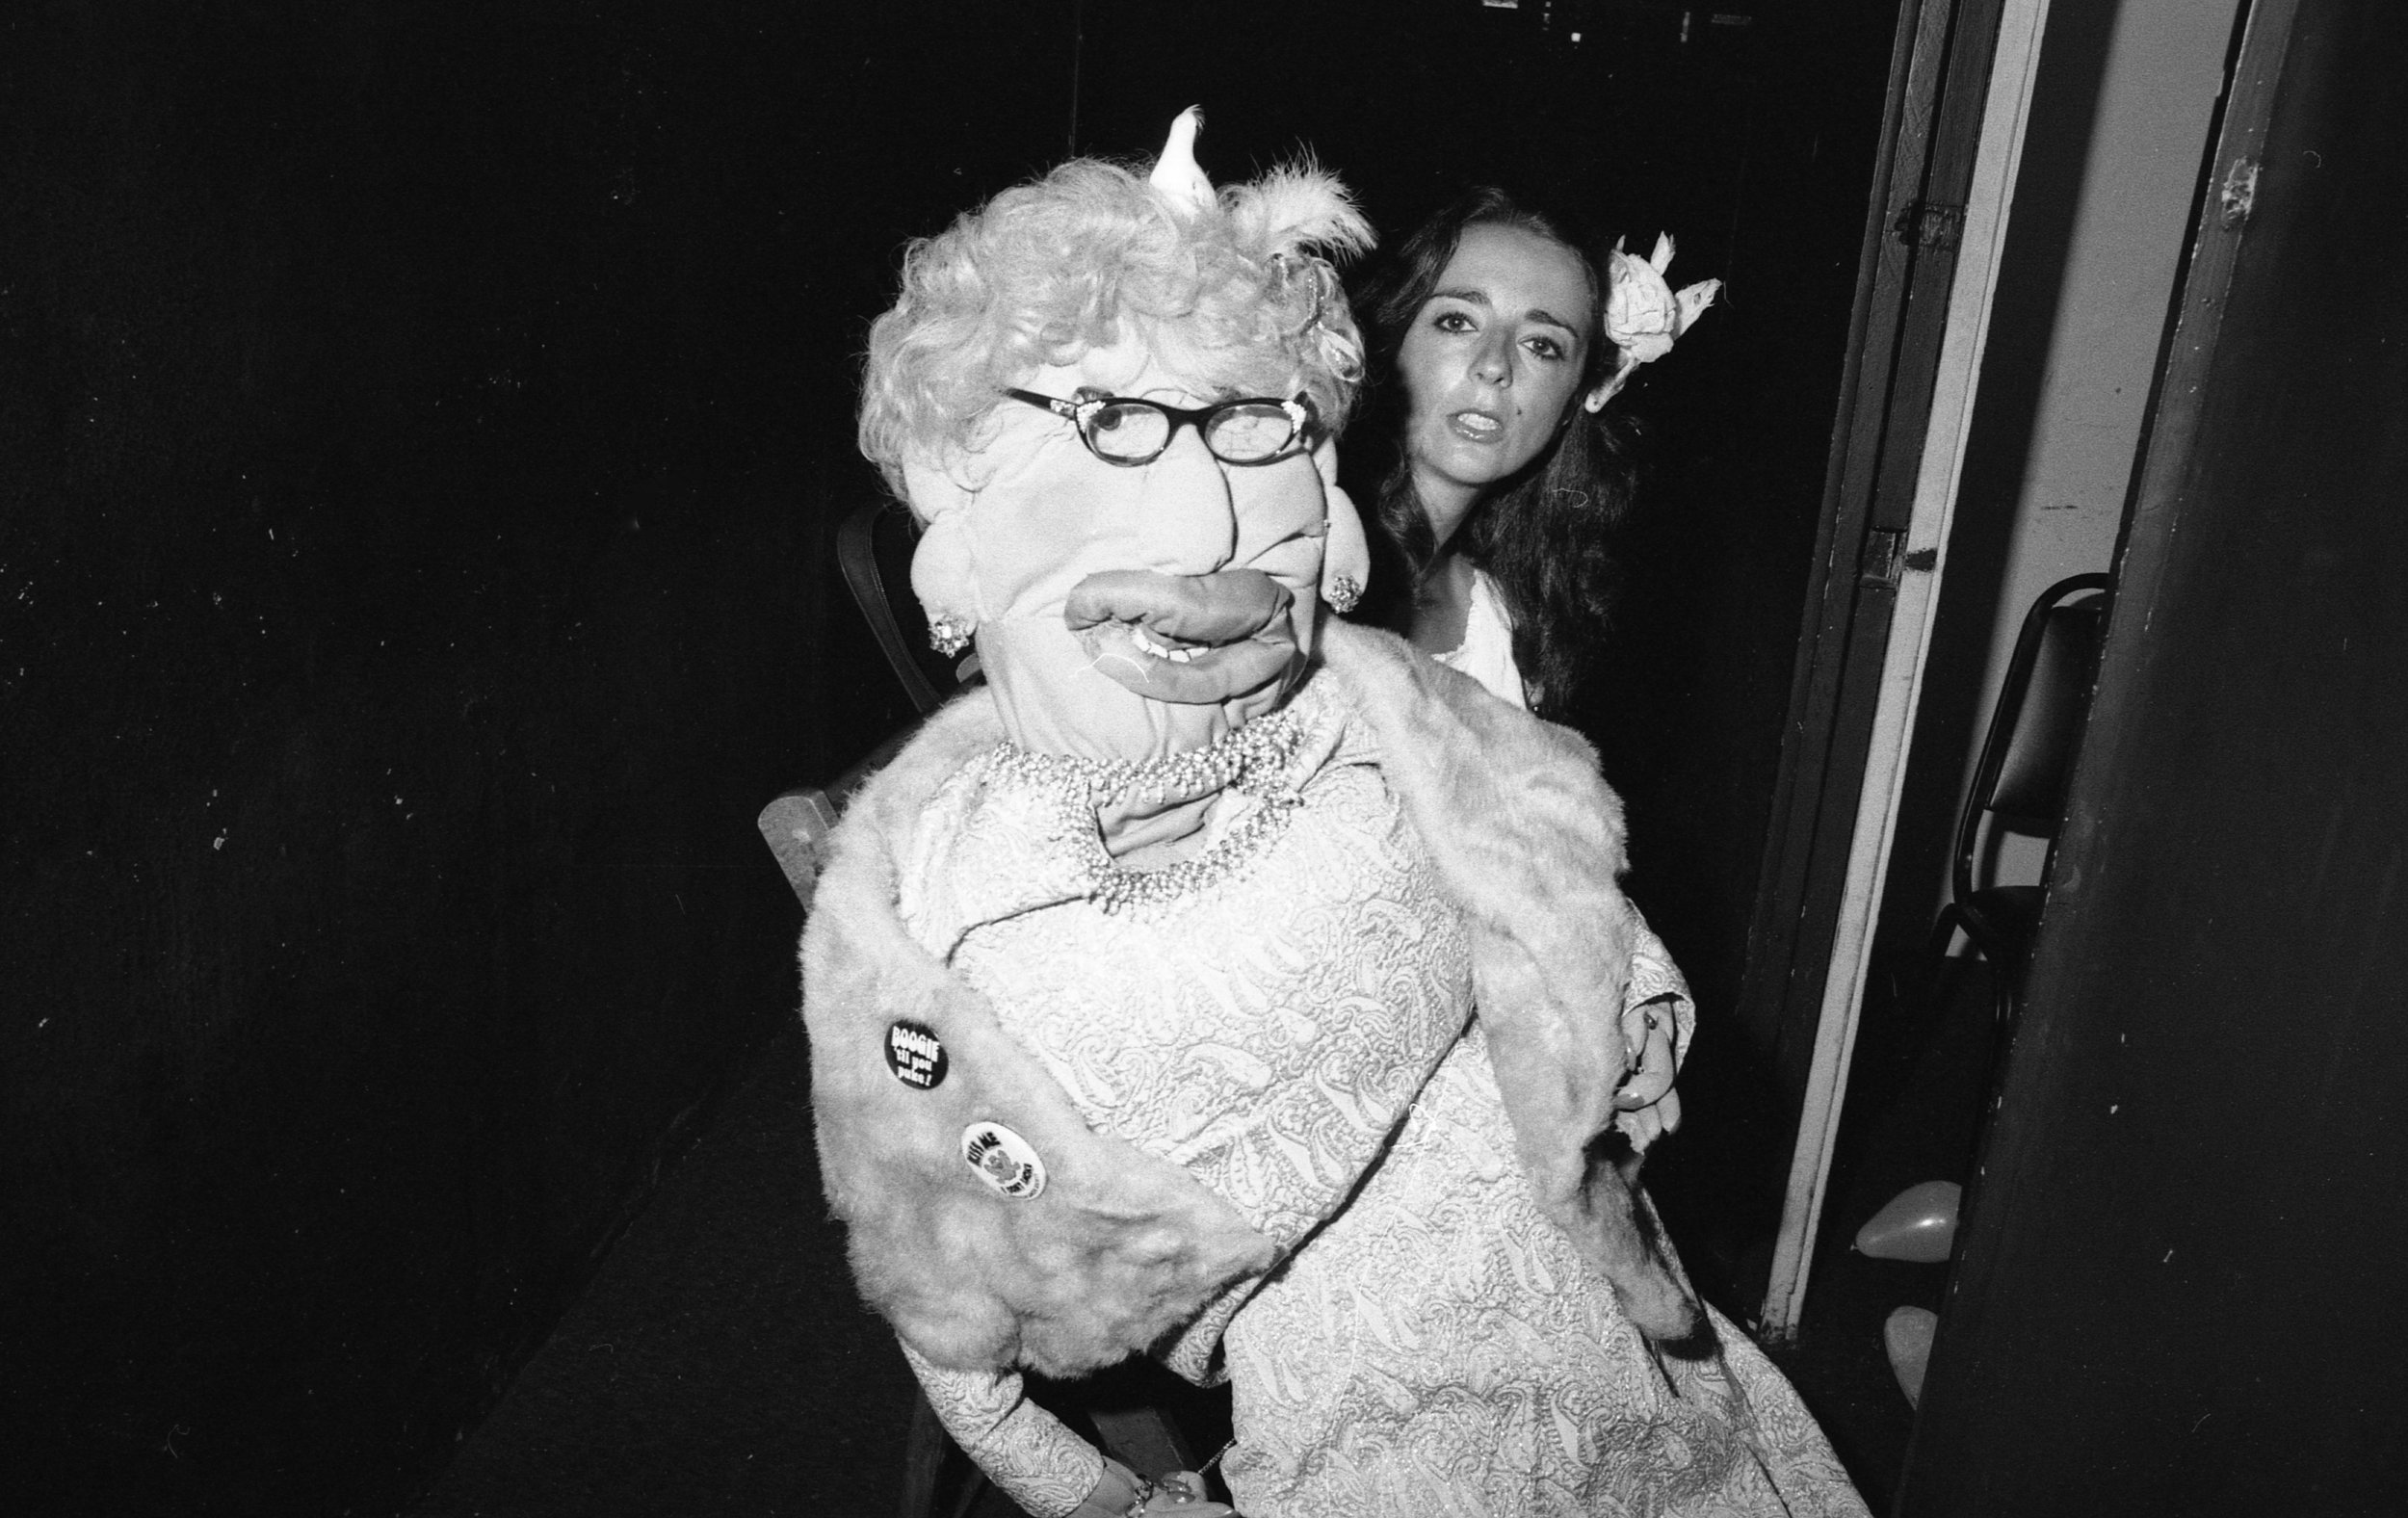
column 1646, row 1106
column 1183, row 1492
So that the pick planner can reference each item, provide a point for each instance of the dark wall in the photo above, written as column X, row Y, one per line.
column 425, row 428
column 2180, row 1270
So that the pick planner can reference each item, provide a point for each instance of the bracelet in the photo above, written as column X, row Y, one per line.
column 1148, row 1489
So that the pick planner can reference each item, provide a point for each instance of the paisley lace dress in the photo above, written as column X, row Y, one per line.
column 1296, row 1021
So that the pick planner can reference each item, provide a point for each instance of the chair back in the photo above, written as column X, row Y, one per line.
column 874, row 548
column 2020, row 778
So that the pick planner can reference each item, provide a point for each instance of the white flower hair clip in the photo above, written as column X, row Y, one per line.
column 1644, row 316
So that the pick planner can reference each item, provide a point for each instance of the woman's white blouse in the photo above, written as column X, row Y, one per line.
column 1486, row 652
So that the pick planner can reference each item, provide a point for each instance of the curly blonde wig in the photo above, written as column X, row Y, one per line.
column 1091, row 253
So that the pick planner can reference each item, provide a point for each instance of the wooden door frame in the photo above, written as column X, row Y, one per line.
column 1913, row 224
column 2119, row 1287
column 1942, row 181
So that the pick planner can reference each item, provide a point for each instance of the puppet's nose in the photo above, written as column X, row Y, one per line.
column 1187, row 519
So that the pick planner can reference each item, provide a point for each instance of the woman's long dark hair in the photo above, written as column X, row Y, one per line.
column 1544, row 536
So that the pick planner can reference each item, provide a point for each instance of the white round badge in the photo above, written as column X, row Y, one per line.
column 1003, row 1159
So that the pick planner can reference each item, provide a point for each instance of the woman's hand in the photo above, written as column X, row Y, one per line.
column 1121, row 1493
column 1646, row 1106
column 1183, row 1492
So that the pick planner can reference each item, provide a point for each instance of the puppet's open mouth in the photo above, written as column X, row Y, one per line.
column 1186, row 639
column 1175, row 652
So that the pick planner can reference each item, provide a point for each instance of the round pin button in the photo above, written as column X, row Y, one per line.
column 916, row 1055
column 1003, row 1159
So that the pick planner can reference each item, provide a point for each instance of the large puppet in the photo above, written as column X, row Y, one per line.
column 1222, row 981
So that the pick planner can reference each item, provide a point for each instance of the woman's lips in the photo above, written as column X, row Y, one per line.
column 1477, row 427
column 1190, row 640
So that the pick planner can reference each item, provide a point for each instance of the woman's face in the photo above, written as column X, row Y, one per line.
column 1492, row 363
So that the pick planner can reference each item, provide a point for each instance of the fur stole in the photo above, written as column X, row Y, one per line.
column 1120, row 1248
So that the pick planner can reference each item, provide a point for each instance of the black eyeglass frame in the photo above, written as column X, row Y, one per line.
column 1084, row 406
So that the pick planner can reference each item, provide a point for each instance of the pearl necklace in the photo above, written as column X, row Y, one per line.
column 1254, row 761
column 1238, row 758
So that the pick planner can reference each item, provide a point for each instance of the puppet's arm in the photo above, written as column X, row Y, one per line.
column 1033, row 1459
column 1024, row 1449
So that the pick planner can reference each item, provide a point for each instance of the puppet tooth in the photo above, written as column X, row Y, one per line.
column 1146, row 644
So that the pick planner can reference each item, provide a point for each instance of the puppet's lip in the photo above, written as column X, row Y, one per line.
column 1190, row 640
column 1194, row 608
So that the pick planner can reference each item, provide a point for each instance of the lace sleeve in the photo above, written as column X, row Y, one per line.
column 1654, row 978
column 1023, row 1448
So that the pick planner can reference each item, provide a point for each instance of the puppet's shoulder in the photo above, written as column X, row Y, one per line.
column 852, row 922
column 890, row 801
column 1453, row 730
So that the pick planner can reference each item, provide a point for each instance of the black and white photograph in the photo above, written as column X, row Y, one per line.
column 1264, row 758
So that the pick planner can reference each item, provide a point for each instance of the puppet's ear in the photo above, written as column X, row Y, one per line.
column 944, row 577
column 943, row 569
column 1346, row 554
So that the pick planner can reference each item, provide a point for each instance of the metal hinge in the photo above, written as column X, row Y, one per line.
column 1930, row 223
column 1880, row 566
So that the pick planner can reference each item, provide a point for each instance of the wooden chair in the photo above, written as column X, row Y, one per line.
column 874, row 547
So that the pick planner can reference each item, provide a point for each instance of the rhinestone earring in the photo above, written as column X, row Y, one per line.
column 948, row 635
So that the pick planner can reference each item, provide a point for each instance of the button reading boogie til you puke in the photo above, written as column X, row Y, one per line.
column 915, row 1055
column 1003, row 1159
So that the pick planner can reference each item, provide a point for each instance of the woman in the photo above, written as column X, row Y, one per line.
column 1185, row 990
column 1496, row 346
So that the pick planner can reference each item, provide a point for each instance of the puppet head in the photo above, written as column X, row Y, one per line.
column 1140, row 579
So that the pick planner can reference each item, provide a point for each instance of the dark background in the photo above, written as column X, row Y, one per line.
column 425, row 428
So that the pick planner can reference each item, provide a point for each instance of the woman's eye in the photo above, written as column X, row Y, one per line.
column 1546, row 347
column 1452, row 322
